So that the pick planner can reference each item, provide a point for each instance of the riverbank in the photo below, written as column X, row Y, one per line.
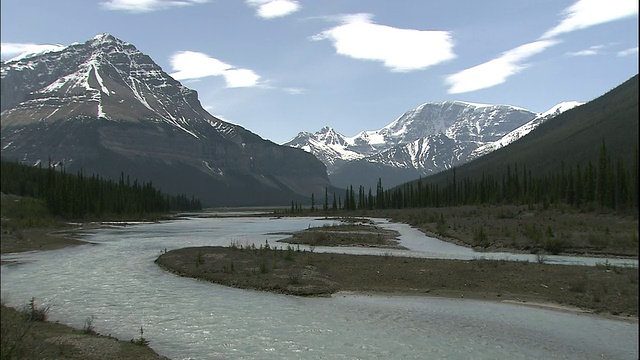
column 351, row 232
column 27, row 226
column 23, row 338
column 602, row 289
column 558, row 230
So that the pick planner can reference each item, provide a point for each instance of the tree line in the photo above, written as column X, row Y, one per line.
column 607, row 184
column 81, row 196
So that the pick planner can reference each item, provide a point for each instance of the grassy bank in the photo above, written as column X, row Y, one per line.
column 528, row 229
column 27, row 225
column 352, row 232
column 27, row 334
column 600, row 289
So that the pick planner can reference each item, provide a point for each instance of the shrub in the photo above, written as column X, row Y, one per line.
column 554, row 245
column 294, row 278
column 88, row 328
column 199, row 259
column 141, row 341
column 32, row 312
column 480, row 238
column 289, row 254
column 541, row 258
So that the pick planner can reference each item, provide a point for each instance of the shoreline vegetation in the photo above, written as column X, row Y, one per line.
column 27, row 225
column 28, row 334
column 606, row 290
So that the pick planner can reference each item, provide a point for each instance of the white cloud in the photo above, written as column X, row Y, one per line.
column 586, row 13
column 140, row 6
column 190, row 65
column 627, row 52
column 10, row 50
column 495, row 71
column 402, row 50
column 593, row 50
column 241, row 78
column 294, row 91
column 270, row 9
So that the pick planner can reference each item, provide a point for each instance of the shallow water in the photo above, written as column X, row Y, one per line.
column 117, row 282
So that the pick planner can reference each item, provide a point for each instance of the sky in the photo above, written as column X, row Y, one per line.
column 278, row 67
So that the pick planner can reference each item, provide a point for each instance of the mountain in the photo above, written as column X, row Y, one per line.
column 106, row 108
column 524, row 129
column 571, row 138
column 428, row 139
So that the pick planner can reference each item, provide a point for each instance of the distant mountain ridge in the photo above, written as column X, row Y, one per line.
column 572, row 138
column 425, row 140
column 105, row 107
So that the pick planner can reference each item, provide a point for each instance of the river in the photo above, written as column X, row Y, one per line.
column 115, row 280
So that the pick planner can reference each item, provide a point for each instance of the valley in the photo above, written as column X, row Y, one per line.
column 482, row 215
column 232, row 251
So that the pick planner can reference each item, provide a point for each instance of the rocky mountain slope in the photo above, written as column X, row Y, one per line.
column 104, row 107
column 428, row 139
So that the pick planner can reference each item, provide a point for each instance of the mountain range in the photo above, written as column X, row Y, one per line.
column 423, row 141
column 571, row 139
column 103, row 107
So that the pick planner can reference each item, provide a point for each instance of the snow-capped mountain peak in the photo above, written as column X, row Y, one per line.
column 560, row 108
column 429, row 138
column 105, row 107
column 100, row 78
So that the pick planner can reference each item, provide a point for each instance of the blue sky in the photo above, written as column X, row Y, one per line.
column 278, row 67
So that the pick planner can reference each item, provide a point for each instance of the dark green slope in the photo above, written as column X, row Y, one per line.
column 573, row 138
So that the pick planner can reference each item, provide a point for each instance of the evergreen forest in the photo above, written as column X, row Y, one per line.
column 79, row 196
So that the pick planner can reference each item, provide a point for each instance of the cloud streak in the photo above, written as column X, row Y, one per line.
column 189, row 65
column 271, row 9
column 495, row 71
column 587, row 13
column 593, row 50
column 627, row 52
column 582, row 14
column 401, row 50
column 10, row 50
column 142, row 6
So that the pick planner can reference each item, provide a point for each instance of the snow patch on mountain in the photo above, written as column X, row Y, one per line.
column 97, row 78
column 524, row 129
column 429, row 138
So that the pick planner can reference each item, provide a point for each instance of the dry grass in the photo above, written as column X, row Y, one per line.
column 531, row 229
column 601, row 289
column 23, row 338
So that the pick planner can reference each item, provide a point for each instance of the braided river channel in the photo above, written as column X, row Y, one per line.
column 114, row 279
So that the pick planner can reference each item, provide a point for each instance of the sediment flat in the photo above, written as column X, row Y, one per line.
column 600, row 289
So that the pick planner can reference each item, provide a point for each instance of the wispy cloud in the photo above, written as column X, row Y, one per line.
column 587, row 13
column 17, row 50
column 593, row 50
column 142, row 6
column 270, row 9
column 401, row 50
column 294, row 91
column 580, row 15
column 495, row 71
column 627, row 52
column 190, row 65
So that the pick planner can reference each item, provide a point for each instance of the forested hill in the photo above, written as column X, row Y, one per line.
column 79, row 196
column 586, row 157
column 570, row 139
